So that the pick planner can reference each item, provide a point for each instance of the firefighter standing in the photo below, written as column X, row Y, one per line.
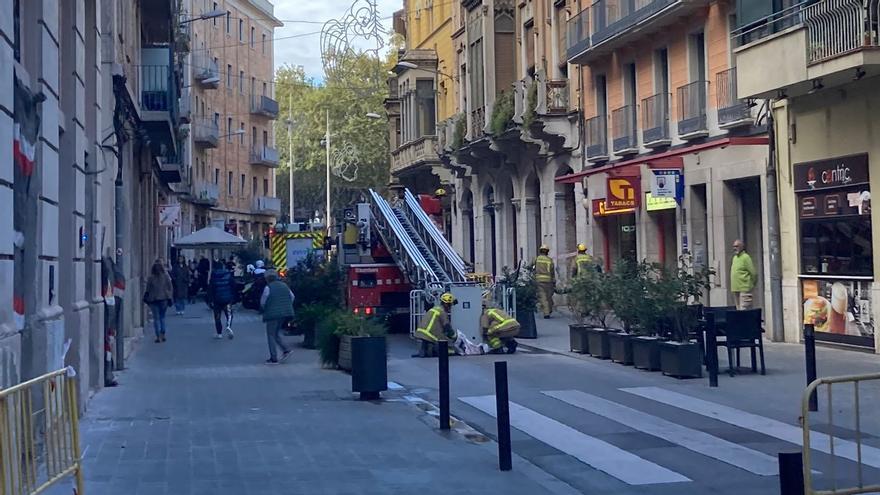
column 499, row 329
column 545, row 276
column 581, row 262
column 435, row 326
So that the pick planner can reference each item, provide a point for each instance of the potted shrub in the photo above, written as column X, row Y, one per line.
column 654, row 319
column 526, row 290
column 337, row 333
column 627, row 296
column 589, row 303
column 680, row 356
column 317, row 287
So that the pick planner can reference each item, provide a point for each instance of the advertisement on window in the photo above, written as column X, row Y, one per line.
column 840, row 310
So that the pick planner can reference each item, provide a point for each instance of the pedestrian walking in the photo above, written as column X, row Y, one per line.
column 180, row 278
column 221, row 295
column 743, row 276
column 203, row 268
column 158, row 296
column 545, row 276
column 277, row 304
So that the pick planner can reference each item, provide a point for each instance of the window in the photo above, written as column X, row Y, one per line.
column 214, row 20
column 228, row 22
column 216, row 176
column 266, row 139
column 228, row 129
column 254, row 137
column 253, row 36
column 263, row 45
column 217, row 120
column 253, row 85
column 241, row 136
column 529, row 42
column 264, row 89
column 425, row 106
column 841, row 246
column 241, row 30
column 243, row 178
column 265, row 187
column 229, row 183
column 254, row 187
column 228, row 76
column 241, row 81
column 16, row 34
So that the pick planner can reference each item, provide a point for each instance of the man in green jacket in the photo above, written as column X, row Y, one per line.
column 743, row 276
column 277, row 304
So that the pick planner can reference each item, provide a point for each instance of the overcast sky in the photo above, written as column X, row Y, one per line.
column 306, row 50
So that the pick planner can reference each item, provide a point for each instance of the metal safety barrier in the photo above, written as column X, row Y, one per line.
column 847, row 450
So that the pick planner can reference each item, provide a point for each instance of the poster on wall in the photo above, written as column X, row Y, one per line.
column 840, row 310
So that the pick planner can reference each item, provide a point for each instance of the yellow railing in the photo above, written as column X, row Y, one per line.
column 843, row 451
column 39, row 435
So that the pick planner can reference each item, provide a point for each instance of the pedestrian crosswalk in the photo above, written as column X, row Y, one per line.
column 635, row 462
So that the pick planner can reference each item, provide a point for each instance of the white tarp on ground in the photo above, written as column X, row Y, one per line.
column 465, row 347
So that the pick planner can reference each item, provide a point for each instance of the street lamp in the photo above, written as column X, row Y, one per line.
column 410, row 65
column 373, row 115
column 207, row 15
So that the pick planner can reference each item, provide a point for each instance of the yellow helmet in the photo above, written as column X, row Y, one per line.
column 544, row 248
column 440, row 192
column 582, row 248
column 448, row 298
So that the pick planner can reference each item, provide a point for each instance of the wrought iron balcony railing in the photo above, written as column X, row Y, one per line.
column 655, row 120
column 692, row 109
column 731, row 110
column 597, row 137
column 623, row 122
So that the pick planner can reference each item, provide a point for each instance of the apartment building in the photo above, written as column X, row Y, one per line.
column 818, row 62
column 89, row 113
column 228, row 101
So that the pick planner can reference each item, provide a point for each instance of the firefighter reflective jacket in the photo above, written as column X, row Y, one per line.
column 497, row 323
column 581, row 263
column 544, row 270
column 434, row 325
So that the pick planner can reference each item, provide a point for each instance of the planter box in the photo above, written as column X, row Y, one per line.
column 345, row 352
column 621, row 347
column 646, row 353
column 309, row 338
column 599, row 343
column 527, row 327
column 369, row 366
column 577, row 334
column 681, row 359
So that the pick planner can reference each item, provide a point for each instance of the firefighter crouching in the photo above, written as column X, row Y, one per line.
column 581, row 262
column 545, row 276
column 435, row 326
column 499, row 329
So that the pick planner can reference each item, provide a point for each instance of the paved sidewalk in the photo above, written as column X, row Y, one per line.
column 201, row 416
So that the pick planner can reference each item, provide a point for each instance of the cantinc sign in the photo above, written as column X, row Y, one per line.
column 843, row 171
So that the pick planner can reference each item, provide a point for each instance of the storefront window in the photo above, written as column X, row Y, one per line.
column 838, row 247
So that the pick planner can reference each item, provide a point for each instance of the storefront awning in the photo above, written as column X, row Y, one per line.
column 667, row 159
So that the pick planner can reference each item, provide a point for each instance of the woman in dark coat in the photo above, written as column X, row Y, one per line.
column 180, row 278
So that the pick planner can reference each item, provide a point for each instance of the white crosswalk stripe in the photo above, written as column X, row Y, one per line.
column 770, row 427
column 694, row 440
column 619, row 463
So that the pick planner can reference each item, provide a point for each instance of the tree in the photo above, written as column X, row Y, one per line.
column 346, row 96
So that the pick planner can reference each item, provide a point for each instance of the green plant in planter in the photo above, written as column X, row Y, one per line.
column 589, row 297
column 525, row 287
column 338, row 323
column 458, row 134
column 627, row 291
column 314, row 281
column 502, row 113
column 689, row 285
column 531, row 104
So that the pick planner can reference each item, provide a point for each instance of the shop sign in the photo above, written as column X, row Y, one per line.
column 623, row 192
column 601, row 210
column 839, row 310
column 667, row 183
column 844, row 171
column 169, row 215
column 653, row 203
column 834, row 204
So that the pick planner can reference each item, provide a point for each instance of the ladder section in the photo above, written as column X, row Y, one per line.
column 436, row 244
column 399, row 243
column 420, row 244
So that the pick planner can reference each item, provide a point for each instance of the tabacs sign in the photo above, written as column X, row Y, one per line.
column 844, row 171
column 623, row 193
column 600, row 210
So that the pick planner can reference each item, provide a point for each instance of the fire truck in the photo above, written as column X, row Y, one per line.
column 398, row 262
column 291, row 243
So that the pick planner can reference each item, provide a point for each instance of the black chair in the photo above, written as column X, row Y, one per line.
column 719, row 313
column 742, row 329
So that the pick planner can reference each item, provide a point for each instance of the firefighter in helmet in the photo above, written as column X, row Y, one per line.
column 435, row 326
column 545, row 276
column 581, row 262
column 499, row 329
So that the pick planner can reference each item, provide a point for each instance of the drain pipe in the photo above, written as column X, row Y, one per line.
column 119, row 211
column 778, row 334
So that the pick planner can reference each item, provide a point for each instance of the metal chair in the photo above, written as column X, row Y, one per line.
column 742, row 329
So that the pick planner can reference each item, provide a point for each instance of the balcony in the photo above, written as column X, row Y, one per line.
column 185, row 106
column 265, row 156
column 829, row 41
column 169, row 169
column 206, row 133
column 692, row 110
column 265, row 106
column 412, row 155
column 624, row 137
column 205, row 72
column 205, row 193
column 267, row 205
column 732, row 112
column 578, row 35
column 158, row 97
column 617, row 23
column 655, row 121
column 597, row 138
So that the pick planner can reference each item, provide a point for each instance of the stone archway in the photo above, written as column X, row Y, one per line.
column 566, row 212
column 531, row 213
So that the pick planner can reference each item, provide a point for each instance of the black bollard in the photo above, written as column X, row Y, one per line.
column 810, row 357
column 711, row 349
column 791, row 473
column 502, row 412
column 443, row 360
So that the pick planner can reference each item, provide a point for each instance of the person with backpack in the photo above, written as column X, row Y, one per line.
column 221, row 295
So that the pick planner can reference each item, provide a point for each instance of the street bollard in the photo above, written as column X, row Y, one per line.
column 810, row 357
column 791, row 473
column 443, row 360
column 502, row 412
column 711, row 349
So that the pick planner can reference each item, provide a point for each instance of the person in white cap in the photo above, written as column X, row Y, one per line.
column 260, row 267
